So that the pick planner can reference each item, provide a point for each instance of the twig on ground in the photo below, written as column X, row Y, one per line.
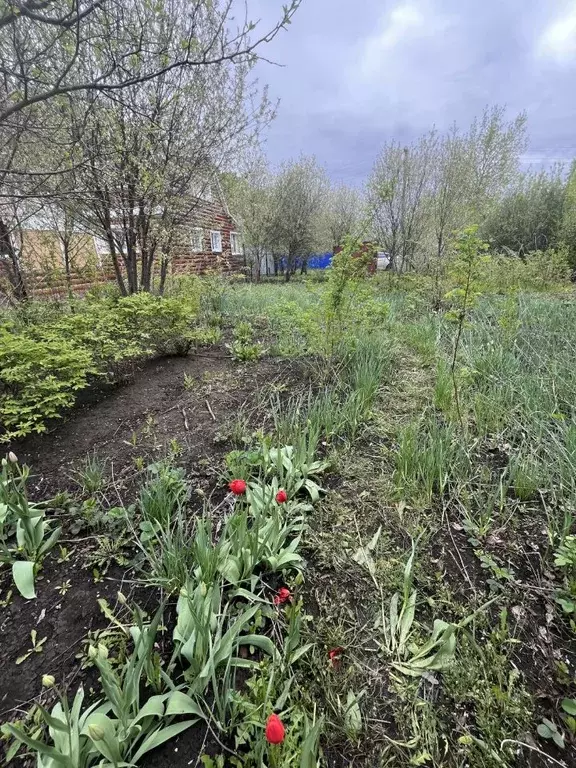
column 534, row 749
column 210, row 411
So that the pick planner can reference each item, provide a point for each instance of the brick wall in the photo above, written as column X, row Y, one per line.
column 207, row 216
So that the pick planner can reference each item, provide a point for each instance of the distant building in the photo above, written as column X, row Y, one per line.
column 207, row 239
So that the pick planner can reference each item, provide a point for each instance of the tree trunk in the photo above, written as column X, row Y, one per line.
column 163, row 274
column 117, row 270
column 67, row 270
column 14, row 272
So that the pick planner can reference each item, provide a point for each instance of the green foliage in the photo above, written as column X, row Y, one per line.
column 244, row 348
column 430, row 456
column 39, row 378
column 568, row 231
column 121, row 729
column 25, row 533
column 164, row 491
column 43, row 364
column 529, row 216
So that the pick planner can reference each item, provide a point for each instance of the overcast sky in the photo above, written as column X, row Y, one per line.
column 359, row 72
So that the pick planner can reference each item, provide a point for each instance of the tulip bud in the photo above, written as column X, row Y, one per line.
column 48, row 681
column 102, row 651
column 92, row 653
column 121, row 598
column 96, row 732
column 12, row 457
column 203, row 589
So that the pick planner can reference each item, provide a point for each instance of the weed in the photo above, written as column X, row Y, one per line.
column 164, row 491
column 63, row 588
column 37, row 646
column 91, row 474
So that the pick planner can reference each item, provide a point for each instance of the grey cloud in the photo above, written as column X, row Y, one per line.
column 444, row 62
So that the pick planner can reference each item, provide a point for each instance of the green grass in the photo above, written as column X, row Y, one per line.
column 491, row 500
column 481, row 508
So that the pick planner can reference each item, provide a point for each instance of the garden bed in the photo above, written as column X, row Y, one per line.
column 189, row 407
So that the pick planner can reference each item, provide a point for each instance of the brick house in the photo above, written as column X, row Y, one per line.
column 207, row 239
column 210, row 240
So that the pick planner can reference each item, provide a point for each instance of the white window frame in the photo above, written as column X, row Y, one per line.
column 235, row 244
column 197, row 232
column 216, row 234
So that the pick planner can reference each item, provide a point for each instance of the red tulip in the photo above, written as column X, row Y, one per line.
column 238, row 487
column 283, row 596
column 274, row 730
column 334, row 656
column 281, row 496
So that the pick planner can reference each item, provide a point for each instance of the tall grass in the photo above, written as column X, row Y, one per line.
column 519, row 355
column 337, row 410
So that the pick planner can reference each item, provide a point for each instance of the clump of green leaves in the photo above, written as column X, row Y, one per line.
column 25, row 533
column 244, row 348
column 43, row 365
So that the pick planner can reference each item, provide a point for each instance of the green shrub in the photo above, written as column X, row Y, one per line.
column 38, row 379
column 49, row 351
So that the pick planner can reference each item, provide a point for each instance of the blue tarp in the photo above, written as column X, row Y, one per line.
column 320, row 261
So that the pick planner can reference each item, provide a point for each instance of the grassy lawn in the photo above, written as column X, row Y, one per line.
column 426, row 541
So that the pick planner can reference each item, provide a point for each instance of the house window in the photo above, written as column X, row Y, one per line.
column 235, row 244
column 216, row 241
column 197, row 240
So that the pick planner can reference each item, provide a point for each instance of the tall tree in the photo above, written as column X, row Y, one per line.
column 421, row 193
column 297, row 201
column 252, row 202
column 398, row 188
column 447, row 196
column 493, row 148
column 49, row 48
column 344, row 214
column 61, row 54
column 151, row 155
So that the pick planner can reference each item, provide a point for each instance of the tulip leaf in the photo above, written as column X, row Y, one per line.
column 180, row 703
column 23, row 575
column 569, row 706
column 159, row 736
